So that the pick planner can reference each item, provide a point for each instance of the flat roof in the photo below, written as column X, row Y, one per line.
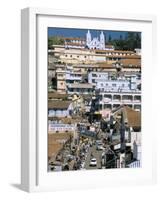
column 56, row 95
column 133, row 117
column 132, row 61
column 80, row 85
column 57, row 104
column 55, row 143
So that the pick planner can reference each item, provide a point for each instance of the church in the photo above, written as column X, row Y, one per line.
column 88, row 42
column 96, row 42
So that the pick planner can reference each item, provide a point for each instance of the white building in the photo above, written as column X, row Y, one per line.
column 97, row 77
column 105, row 83
column 60, row 127
column 95, row 43
column 57, row 108
column 80, row 88
column 73, row 77
column 113, row 93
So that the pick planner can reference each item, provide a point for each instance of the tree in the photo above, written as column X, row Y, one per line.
column 109, row 38
column 131, row 41
column 121, row 37
column 55, row 40
column 138, row 41
column 50, row 43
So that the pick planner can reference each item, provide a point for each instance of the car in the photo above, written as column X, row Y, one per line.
column 93, row 162
column 99, row 146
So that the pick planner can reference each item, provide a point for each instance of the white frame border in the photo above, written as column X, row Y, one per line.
column 29, row 174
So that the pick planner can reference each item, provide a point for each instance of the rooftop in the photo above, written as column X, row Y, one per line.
column 115, row 51
column 74, row 38
column 132, row 117
column 80, row 85
column 55, row 143
column 74, row 44
column 133, row 62
column 56, row 95
column 57, row 104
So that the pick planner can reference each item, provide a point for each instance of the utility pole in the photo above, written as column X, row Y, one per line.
column 122, row 140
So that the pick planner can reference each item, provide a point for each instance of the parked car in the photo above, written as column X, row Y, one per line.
column 93, row 162
column 100, row 147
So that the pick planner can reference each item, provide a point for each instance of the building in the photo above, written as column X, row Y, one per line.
column 80, row 88
column 111, row 92
column 57, row 96
column 88, row 42
column 60, row 127
column 72, row 76
column 132, row 123
column 112, row 100
column 74, row 55
column 96, row 77
column 61, row 81
column 55, row 145
column 95, row 43
column 74, row 42
column 57, row 108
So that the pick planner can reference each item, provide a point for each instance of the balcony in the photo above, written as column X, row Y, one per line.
column 137, row 99
column 116, row 98
column 127, row 98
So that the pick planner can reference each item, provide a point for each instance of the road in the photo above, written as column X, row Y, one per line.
column 96, row 154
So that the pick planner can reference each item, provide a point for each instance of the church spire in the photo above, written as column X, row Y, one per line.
column 102, row 40
column 88, row 38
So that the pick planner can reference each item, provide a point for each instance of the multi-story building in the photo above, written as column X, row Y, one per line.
column 73, row 77
column 96, row 77
column 79, row 55
column 112, row 100
column 132, row 122
column 57, row 108
column 60, row 127
column 80, row 88
column 113, row 93
column 61, row 81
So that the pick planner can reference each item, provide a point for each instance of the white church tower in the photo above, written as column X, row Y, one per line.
column 88, row 38
column 102, row 40
column 95, row 43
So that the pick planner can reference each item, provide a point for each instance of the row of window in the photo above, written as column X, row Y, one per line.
column 74, row 56
column 113, row 85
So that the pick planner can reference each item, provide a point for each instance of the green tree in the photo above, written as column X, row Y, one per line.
column 50, row 43
column 55, row 40
column 109, row 38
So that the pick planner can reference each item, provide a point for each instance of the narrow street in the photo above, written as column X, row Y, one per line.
column 96, row 154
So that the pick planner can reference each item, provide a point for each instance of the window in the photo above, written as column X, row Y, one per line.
column 94, row 75
column 113, row 85
column 60, row 75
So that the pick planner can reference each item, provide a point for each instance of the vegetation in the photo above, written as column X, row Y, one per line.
column 55, row 40
column 130, row 42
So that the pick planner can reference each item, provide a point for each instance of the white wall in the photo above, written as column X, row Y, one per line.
column 10, row 99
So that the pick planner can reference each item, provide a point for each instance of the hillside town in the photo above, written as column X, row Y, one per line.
column 94, row 105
